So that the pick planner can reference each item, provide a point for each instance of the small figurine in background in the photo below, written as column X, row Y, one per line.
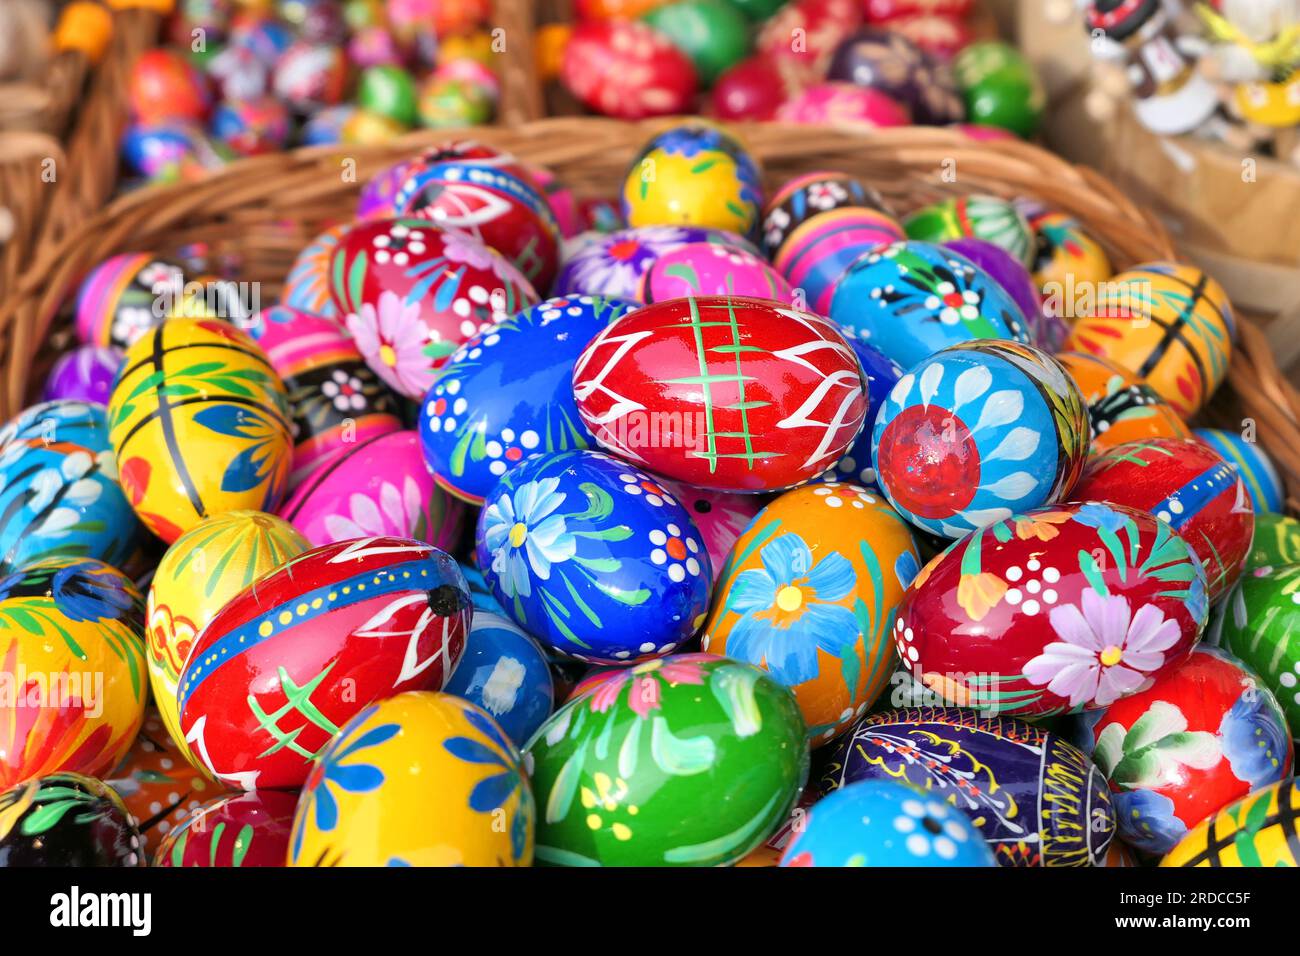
column 1158, row 61
column 1255, row 54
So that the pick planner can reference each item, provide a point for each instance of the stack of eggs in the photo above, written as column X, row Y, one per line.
column 879, row 62
column 244, row 81
column 751, row 479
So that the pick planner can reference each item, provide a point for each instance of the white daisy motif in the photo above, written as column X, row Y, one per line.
column 678, row 552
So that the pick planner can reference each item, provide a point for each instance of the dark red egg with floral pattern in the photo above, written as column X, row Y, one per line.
column 626, row 69
column 1186, row 483
column 284, row 665
column 726, row 393
column 1060, row 609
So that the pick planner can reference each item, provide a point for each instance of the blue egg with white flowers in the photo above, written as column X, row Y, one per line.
column 59, row 493
column 504, row 672
column 883, row 823
column 507, row 393
column 589, row 563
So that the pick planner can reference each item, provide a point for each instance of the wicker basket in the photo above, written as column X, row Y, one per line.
column 262, row 211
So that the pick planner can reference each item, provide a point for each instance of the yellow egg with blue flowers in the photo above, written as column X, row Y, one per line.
column 419, row 779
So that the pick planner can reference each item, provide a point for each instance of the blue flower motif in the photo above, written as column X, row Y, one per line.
column 493, row 792
column 906, row 568
column 1254, row 738
column 1147, row 820
column 90, row 591
column 1100, row 517
column 522, row 532
column 351, row 778
column 787, row 610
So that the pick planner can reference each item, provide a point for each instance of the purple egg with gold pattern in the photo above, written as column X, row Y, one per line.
column 887, row 61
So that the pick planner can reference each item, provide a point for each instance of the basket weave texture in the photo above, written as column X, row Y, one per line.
column 259, row 213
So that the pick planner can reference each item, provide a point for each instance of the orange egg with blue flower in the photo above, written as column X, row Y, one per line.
column 809, row 594
column 419, row 779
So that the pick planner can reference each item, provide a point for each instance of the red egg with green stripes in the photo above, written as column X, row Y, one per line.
column 284, row 665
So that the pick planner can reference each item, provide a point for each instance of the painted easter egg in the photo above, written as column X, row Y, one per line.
column 1001, row 87
column 623, row 770
column 239, row 829
column 809, row 595
column 283, row 666
column 707, row 268
column 419, row 779
column 881, row 374
column 714, row 35
column 887, row 61
column 66, row 820
column 1010, row 273
column 504, row 672
column 752, row 89
column 1065, row 256
column 335, row 399
column 508, row 392
column 251, row 127
column 376, row 488
column 199, row 423
column 411, row 292
column 1169, row 324
column 573, row 541
column 693, row 175
column 612, row 264
column 911, row 299
column 825, row 104
column 1054, row 610
column 882, row 823
column 159, row 786
column 74, row 662
column 1259, row 622
column 115, row 303
column 164, row 85
column 801, row 198
column 84, row 374
column 722, row 392
column 820, row 249
column 59, row 493
column 1120, row 407
column 819, row 26
column 309, row 76
column 488, row 197
column 627, row 69
column 199, row 575
column 1255, row 831
column 1257, row 470
column 1185, row 483
column 1200, row 737
column 989, row 218
column 976, row 432
column 307, row 287
column 1037, row 800
column 1276, row 541
column 721, row 518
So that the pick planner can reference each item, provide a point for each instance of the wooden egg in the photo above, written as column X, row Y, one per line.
column 1254, row 831
column 199, row 423
column 801, row 198
column 1276, row 541
column 694, row 174
column 888, row 61
column 808, row 595
column 116, row 300
column 1169, row 324
column 707, row 268
column 822, row 247
column 379, row 487
column 622, row 770
column 977, row 432
column 726, row 393
column 335, row 399
column 59, row 493
column 411, row 292
column 1250, row 459
column 504, row 671
column 714, row 35
column 1036, row 799
column 1056, row 610
column 989, row 218
column 85, row 374
column 284, row 665
column 613, row 264
column 1203, row 735
column 627, row 69
column 74, row 669
column 910, row 299
column 1065, row 256
column 1259, row 622
column 66, row 820
column 1187, row 484
column 199, row 575
column 307, row 287
column 239, row 829
column 417, row 779
column 1001, row 87
column 1120, row 407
